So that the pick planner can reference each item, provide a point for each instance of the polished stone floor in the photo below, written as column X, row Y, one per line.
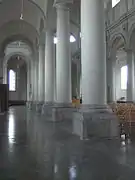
column 31, row 148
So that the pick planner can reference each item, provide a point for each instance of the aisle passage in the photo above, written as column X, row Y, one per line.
column 33, row 149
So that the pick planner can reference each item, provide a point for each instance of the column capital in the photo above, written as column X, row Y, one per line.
column 41, row 46
column 62, row 4
column 50, row 31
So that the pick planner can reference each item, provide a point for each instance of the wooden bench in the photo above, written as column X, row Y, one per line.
column 126, row 114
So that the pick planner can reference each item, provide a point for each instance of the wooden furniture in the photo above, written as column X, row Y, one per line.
column 3, row 97
column 126, row 114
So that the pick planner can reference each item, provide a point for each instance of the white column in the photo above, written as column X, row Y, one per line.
column 130, row 81
column 28, row 81
column 111, row 73
column 41, row 74
column 63, row 58
column 93, row 54
column 49, row 68
column 36, row 80
column 1, row 68
column 32, row 80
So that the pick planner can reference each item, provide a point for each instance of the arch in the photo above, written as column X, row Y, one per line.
column 18, row 66
column 19, row 30
column 26, row 58
column 34, row 3
column 17, row 37
column 130, row 36
column 28, row 61
column 117, row 41
column 19, row 24
column 117, row 38
column 41, row 25
column 16, row 6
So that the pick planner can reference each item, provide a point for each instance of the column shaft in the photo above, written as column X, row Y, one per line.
column 49, row 68
column 63, row 59
column 93, row 52
column 36, row 80
column 130, row 81
column 111, row 73
column 41, row 74
column 1, row 69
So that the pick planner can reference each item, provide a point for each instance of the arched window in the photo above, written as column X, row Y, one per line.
column 115, row 2
column 12, row 80
column 124, row 71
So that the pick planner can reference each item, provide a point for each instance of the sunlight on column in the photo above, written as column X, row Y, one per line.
column 11, row 129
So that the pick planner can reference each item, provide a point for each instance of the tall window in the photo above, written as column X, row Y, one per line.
column 12, row 80
column 115, row 2
column 124, row 71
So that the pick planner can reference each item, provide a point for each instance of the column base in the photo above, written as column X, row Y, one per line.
column 62, row 112
column 29, row 105
column 33, row 106
column 57, row 112
column 95, row 121
column 39, row 107
column 47, row 110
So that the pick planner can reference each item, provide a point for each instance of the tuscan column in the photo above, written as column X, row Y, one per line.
column 63, row 58
column 49, row 68
column 111, row 73
column 32, row 79
column 36, row 78
column 93, row 52
column 97, row 118
column 1, row 68
column 41, row 74
column 130, row 76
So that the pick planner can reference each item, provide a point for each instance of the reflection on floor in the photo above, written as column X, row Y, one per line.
column 33, row 149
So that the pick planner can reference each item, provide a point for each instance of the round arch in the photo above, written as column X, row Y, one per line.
column 14, row 38
column 131, row 38
column 19, row 30
column 117, row 41
column 26, row 58
column 29, row 63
